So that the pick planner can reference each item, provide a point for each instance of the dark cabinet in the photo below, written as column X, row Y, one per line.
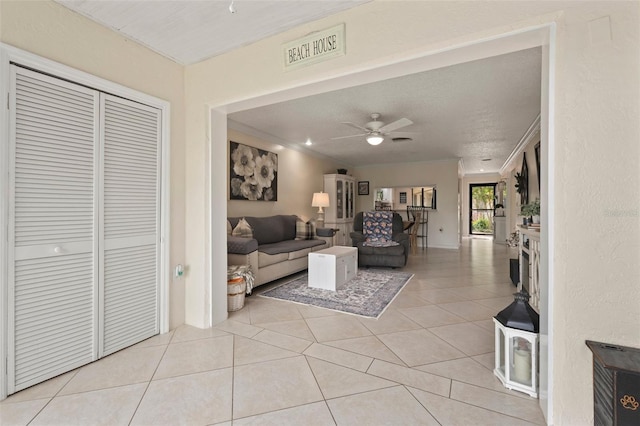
column 616, row 384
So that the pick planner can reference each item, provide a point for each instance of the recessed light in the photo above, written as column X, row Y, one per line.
column 308, row 142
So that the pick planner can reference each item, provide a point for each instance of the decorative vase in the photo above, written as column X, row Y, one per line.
column 535, row 219
column 342, row 171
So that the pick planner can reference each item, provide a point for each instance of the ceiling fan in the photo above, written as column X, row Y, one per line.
column 375, row 130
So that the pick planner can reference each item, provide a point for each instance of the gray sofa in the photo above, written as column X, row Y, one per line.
column 394, row 256
column 274, row 252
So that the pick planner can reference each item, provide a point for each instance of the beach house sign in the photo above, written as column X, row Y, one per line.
column 315, row 47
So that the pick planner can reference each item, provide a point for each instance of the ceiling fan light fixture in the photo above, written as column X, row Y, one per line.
column 375, row 139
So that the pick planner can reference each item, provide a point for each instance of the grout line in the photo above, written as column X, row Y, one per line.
column 149, row 383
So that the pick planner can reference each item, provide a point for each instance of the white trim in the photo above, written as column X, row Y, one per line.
column 4, row 217
column 9, row 54
column 521, row 146
column 547, row 237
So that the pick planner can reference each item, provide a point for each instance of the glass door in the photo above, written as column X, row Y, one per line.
column 481, row 208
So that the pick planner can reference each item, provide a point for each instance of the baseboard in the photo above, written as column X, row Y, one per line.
column 448, row 247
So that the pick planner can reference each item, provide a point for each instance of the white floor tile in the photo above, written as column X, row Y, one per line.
column 392, row 406
column 109, row 407
column 195, row 399
column 274, row 385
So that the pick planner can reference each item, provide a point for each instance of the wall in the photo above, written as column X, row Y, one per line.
column 299, row 176
column 489, row 178
column 595, row 129
column 443, row 175
column 47, row 29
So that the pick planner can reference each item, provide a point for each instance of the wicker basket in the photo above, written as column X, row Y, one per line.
column 236, row 289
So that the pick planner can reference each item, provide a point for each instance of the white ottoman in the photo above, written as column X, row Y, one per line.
column 331, row 268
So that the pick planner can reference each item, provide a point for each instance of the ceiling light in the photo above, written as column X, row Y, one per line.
column 308, row 142
column 232, row 7
column 375, row 139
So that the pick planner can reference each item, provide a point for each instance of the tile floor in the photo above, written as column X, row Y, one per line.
column 427, row 360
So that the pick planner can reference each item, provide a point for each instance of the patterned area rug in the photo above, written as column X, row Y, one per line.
column 367, row 295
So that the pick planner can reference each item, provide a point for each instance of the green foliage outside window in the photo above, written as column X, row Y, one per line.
column 481, row 224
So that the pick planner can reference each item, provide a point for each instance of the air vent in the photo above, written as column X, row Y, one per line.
column 401, row 139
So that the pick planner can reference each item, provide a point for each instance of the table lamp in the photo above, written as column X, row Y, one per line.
column 320, row 200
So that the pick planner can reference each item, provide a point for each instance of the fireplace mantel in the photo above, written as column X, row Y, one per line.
column 529, row 255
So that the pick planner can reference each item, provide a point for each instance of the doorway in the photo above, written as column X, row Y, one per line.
column 542, row 35
column 481, row 208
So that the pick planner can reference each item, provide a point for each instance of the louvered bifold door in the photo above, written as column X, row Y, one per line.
column 130, row 238
column 52, row 228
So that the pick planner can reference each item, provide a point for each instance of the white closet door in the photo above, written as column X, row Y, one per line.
column 130, row 229
column 52, row 228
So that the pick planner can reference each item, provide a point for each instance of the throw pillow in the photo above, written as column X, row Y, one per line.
column 229, row 228
column 242, row 229
column 305, row 231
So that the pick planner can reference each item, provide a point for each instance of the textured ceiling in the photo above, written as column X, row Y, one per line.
column 189, row 31
column 475, row 111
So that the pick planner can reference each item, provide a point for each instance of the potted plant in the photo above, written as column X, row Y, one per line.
column 532, row 210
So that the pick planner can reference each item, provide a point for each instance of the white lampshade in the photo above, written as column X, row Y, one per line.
column 375, row 139
column 320, row 199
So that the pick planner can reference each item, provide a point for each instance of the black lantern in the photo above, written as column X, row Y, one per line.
column 516, row 345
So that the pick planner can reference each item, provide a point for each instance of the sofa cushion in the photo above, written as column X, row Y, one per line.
column 272, row 229
column 240, row 245
column 265, row 259
column 305, row 230
column 299, row 253
column 289, row 246
column 229, row 228
column 386, row 251
column 242, row 229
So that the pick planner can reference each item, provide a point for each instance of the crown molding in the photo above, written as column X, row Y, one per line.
column 520, row 147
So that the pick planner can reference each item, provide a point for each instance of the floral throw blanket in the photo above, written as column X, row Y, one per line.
column 377, row 229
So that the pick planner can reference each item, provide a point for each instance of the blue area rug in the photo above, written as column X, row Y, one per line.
column 367, row 295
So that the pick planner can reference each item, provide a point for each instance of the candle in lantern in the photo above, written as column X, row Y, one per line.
column 522, row 365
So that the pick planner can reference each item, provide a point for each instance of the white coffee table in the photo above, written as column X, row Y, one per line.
column 331, row 268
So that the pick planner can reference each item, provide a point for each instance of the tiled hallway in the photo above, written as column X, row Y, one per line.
column 427, row 360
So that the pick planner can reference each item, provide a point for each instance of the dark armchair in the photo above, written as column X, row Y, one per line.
column 393, row 256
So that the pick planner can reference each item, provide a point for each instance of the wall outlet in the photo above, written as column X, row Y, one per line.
column 179, row 271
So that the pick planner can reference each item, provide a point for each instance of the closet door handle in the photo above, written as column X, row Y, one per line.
column 57, row 250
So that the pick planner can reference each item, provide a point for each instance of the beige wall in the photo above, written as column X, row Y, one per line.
column 442, row 174
column 596, row 132
column 299, row 176
column 47, row 29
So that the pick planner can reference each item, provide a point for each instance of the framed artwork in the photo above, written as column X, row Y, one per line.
column 537, row 151
column 363, row 187
column 524, row 172
column 403, row 198
column 253, row 173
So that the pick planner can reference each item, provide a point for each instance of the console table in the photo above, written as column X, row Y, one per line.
column 529, row 255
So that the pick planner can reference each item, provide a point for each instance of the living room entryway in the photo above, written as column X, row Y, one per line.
column 481, row 208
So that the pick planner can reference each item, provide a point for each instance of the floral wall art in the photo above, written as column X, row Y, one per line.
column 253, row 173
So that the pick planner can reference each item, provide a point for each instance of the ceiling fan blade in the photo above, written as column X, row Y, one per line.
column 350, row 136
column 357, row 126
column 403, row 122
column 402, row 134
